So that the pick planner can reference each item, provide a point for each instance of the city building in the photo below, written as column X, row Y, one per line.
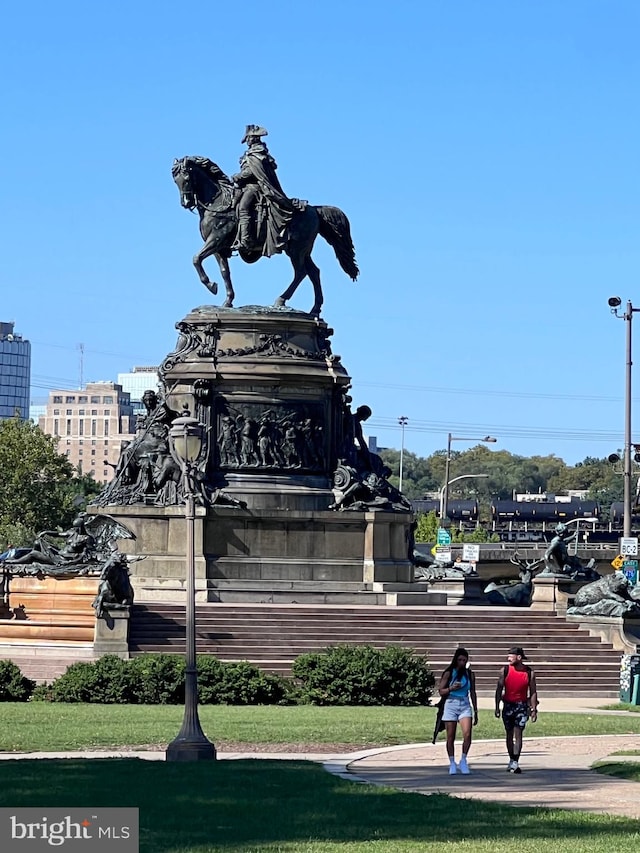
column 15, row 373
column 91, row 424
column 136, row 382
column 37, row 410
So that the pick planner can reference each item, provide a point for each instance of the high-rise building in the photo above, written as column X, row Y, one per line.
column 91, row 424
column 136, row 382
column 15, row 373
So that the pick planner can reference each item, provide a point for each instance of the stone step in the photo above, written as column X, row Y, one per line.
column 567, row 660
column 46, row 631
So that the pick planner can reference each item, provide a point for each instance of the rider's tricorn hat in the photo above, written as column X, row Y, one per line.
column 253, row 130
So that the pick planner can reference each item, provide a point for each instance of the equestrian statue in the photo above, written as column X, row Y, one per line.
column 250, row 214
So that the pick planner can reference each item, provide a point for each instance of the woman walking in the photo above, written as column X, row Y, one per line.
column 458, row 686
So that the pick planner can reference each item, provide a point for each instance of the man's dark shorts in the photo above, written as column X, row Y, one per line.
column 515, row 714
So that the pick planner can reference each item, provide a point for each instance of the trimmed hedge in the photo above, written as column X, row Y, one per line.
column 340, row 675
column 363, row 675
column 158, row 679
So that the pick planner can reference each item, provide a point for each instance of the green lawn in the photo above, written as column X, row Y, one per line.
column 267, row 806
column 276, row 807
column 37, row 726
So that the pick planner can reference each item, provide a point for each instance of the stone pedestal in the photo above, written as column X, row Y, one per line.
column 328, row 548
column 466, row 590
column 623, row 634
column 111, row 635
column 278, row 424
column 554, row 592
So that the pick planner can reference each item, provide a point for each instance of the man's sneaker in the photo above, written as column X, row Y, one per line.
column 517, row 768
column 452, row 769
column 463, row 767
column 511, row 766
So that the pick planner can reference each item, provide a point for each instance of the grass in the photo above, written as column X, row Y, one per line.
column 620, row 769
column 44, row 726
column 621, row 706
column 294, row 807
column 267, row 806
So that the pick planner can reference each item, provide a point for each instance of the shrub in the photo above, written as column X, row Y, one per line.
column 14, row 686
column 158, row 679
column 109, row 680
column 237, row 684
column 362, row 675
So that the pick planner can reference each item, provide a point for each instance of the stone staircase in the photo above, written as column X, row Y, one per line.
column 567, row 660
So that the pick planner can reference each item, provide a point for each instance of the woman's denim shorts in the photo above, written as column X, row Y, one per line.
column 456, row 708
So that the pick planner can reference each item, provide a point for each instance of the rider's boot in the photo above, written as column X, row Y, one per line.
column 243, row 237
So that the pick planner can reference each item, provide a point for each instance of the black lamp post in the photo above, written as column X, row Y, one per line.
column 444, row 502
column 614, row 304
column 403, row 421
column 190, row 744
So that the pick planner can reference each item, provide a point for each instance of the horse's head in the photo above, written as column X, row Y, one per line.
column 182, row 171
column 198, row 179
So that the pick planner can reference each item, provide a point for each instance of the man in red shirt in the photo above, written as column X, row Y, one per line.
column 517, row 690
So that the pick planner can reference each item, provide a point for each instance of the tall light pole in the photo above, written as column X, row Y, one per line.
column 453, row 480
column 589, row 519
column 445, row 489
column 190, row 744
column 614, row 304
column 403, row 421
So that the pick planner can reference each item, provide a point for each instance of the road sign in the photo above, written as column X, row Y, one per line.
column 443, row 553
column 629, row 546
column 630, row 569
column 470, row 552
column 617, row 562
column 444, row 537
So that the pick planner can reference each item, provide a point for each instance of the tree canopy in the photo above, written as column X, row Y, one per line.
column 506, row 474
column 39, row 488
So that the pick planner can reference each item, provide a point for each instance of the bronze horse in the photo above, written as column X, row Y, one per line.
column 205, row 187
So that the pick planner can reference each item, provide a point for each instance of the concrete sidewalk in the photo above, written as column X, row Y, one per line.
column 555, row 773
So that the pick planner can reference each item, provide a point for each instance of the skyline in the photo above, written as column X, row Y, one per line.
column 485, row 156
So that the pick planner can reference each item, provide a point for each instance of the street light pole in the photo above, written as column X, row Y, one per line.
column 447, row 466
column 614, row 304
column 455, row 479
column 403, row 421
column 190, row 744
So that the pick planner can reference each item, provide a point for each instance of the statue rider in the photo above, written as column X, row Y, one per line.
column 261, row 195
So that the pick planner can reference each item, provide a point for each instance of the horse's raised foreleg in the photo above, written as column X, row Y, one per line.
column 206, row 251
column 225, row 272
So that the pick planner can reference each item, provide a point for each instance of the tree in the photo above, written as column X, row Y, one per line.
column 426, row 527
column 417, row 474
column 38, row 489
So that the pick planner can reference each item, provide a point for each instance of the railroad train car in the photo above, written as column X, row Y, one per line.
column 616, row 515
column 530, row 512
column 456, row 510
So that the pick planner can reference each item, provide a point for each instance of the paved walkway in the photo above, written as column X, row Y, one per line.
column 555, row 773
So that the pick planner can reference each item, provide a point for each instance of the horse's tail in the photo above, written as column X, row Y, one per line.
column 335, row 228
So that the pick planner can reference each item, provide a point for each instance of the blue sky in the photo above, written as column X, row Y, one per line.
column 485, row 153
